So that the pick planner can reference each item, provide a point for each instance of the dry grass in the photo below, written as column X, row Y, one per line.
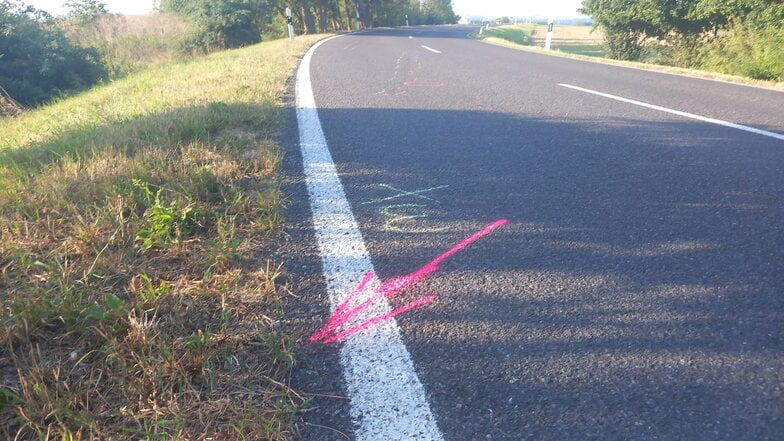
column 9, row 106
column 133, row 300
column 579, row 40
column 128, row 43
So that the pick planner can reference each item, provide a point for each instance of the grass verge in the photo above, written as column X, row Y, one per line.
column 577, row 42
column 134, row 302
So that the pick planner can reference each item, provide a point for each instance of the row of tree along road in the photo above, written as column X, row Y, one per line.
column 43, row 57
column 741, row 37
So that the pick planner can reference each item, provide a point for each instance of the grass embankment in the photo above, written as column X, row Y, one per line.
column 135, row 304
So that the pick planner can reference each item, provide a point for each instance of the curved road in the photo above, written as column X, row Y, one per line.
column 637, row 290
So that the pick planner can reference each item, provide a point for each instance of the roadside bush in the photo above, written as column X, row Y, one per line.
column 37, row 62
column 128, row 43
column 219, row 24
column 753, row 47
column 623, row 45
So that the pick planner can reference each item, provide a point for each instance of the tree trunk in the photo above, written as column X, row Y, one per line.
column 364, row 14
column 308, row 21
column 321, row 10
column 336, row 25
column 349, row 15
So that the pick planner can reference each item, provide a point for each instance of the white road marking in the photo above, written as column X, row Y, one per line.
column 387, row 399
column 679, row 113
column 430, row 49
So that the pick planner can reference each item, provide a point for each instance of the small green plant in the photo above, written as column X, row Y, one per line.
column 197, row 342
column 199, row 348
column 279, row 346
column 148, row 292
column 114, row 308
column 165, row 224
column 8, row 397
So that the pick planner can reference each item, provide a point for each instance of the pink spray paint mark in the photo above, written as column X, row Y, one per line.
column 331, row 332
column 368, row 323
column 423, row 83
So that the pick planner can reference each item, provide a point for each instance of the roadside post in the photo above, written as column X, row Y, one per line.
column 406, row 20
column 290, row 23
column 549, row 38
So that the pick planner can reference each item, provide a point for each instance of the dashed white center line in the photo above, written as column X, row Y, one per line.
column 680, row 113
column 430, row 49
column 387, row 398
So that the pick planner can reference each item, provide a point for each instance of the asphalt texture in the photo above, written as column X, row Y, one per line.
column 637, row 292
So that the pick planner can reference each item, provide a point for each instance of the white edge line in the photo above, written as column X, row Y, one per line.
column 680, row 113
column 430, row 49
column 387, row 399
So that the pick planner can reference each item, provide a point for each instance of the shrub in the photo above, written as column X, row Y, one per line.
column 753, row 47
column 128, row 43
column 220, row 24
column 623, row 45
column 38, row 62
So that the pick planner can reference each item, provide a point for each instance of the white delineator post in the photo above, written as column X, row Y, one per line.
column 548, row 41
column 290, row 23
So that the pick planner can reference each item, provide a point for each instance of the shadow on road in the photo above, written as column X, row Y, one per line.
column 635, row 293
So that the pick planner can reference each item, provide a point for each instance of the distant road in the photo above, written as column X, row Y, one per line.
column 636, row 291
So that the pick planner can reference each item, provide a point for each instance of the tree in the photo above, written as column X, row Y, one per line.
column 753, row 44
column 626, row 24
column 38, row 62
column 85, row 11
column 685, row 25
column 310, row 16
column 221, row 23
column 438, row 12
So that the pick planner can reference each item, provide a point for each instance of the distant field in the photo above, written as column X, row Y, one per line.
column 579, row 40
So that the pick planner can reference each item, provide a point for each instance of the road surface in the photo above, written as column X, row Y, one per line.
column 636, row 291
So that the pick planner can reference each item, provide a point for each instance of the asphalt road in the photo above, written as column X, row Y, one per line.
column 637, row 291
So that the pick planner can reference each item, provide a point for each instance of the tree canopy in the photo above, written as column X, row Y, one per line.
column 37, row 62
column 230, row 23
column 221, row 23
column 686, row 26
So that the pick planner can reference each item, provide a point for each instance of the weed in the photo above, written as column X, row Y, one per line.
column 165, row 223
column 148, row 292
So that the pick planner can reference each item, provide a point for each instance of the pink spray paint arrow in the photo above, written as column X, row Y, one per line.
column 332, row 333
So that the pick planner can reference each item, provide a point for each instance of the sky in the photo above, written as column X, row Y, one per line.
column 466, row 8
column 517, row 8
column 125, row 7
